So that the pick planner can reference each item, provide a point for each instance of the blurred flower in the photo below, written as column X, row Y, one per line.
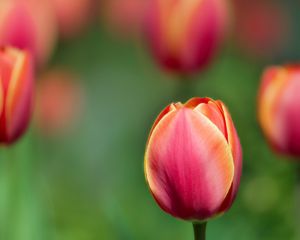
column 279, row 108
column 16, row 93
column 184, row 34
column 125, row 17
column 72, row 16
column 262, row 27
column 59, row 102
column 193, row 159
column 28, row 25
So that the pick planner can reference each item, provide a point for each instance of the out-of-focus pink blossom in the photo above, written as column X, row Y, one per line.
column 30, row 25
column 125, row 17
column 185, row 34
column 73, row 15
column 279, row 108
column 59, row 102
column 262, row 27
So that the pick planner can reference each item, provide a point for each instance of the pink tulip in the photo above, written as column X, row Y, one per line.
column 184, row 35
column 279, row 108
column 16, row 93
column 125, row 17
column 59, row 102
column 193, row 159
column 72, row 15
column 30, row 25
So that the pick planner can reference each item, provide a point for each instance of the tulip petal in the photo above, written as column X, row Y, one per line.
column 212, row 112
column 164, row 112
column 19, row 96
column 236, row 151
column 182, row 180
column 287, row 116
column 268, row 99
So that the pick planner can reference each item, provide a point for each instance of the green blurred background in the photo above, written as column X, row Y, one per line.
column 90, row 185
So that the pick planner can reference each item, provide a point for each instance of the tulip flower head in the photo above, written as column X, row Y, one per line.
column 193, row 159
column 184, row 34
column 28, row 25
column 72, row 16
column 125, row 17
column 16, row 93
column 279, row 108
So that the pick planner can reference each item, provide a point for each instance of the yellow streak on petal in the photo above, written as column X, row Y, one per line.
column 175, row 20
column 14, row 86
column 1, row 97
column 267, row 103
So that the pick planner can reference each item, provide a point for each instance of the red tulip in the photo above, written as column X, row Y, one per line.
column 184, row 35
column 16, row 93
column 279, row 108
column 58, row 103
column 28, row 25
column 193, row 159
column 262, row 27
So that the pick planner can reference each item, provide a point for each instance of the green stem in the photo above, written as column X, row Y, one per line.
column 185, row 89
column 200, row 230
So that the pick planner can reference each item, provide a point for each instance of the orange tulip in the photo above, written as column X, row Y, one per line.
column 185, row 34
column 16, row 93
column 279, row 108
column 193, row 159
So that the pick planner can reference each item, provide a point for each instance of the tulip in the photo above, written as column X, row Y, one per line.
column 72, row 16
column 262, row 27
column 193, row 159
column 16, row 93
column 184, row 34
column 28, row 25
column 279, row 108
column 59, row 102
column 125, row 17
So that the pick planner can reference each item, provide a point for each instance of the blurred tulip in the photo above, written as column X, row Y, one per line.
column 58, row 103
column 125, row 17
column 279, row 108
column 72, row 16
column 193, row 159
column 262, row 27
column 16, row 93
column 184, row 34
column 28, row 25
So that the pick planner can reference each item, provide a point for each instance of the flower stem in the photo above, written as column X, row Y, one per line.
column 185, row 89
column 200, row 230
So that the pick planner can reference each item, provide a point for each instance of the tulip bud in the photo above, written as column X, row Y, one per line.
column 72, row 16
column 28, row 25
column 184, row 34
column 279, row 108
column 16, row 93
column 125, row 17
column 193, row 159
